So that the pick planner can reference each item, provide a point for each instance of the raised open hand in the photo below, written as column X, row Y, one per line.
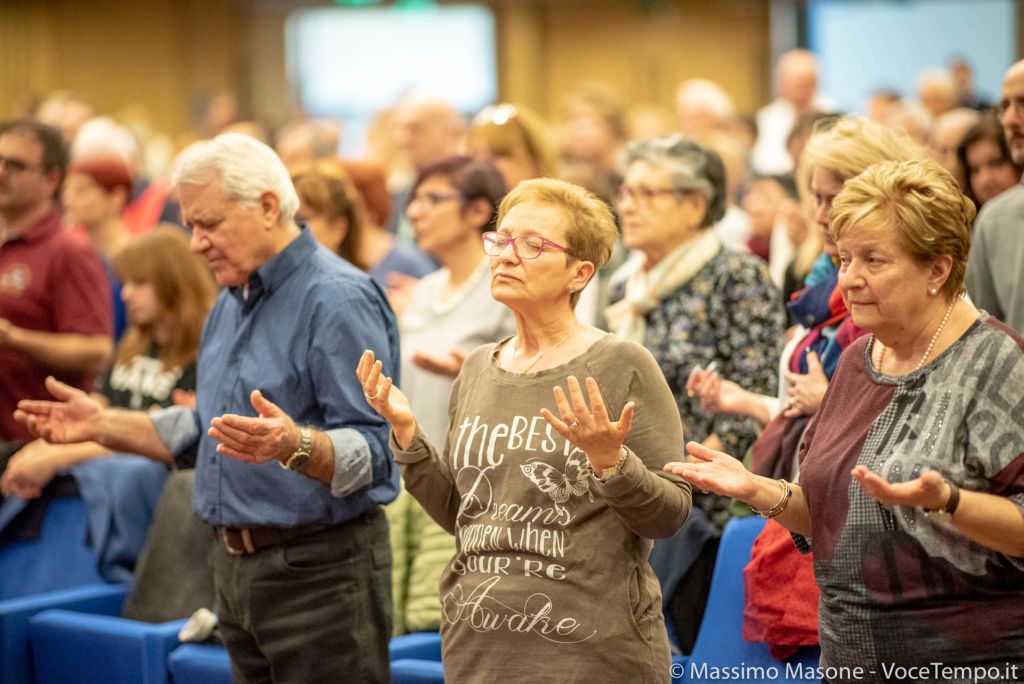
column 271, row 435
column 927, row 491
column 386, row 399
column 714, row 471
column 590, row 429
column 68, row 420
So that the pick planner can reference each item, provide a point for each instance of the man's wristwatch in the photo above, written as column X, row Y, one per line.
column 613, row 470
column 300, row 459
column 945, row 514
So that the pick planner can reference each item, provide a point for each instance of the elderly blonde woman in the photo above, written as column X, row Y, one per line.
column 552, row 475
column 912, row 480
column 835, row 153
column 693, row 303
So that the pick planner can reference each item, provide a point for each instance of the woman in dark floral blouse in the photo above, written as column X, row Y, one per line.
column 690, row 301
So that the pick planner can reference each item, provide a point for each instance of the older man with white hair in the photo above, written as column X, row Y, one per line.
column 997, row 250
column 426, row 129
column 292, row 465
column 704, row 109
column 796, row 86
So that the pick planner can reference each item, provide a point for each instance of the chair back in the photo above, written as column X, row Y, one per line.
column 720, row 642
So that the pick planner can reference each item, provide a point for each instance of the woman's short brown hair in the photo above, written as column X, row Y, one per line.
column 921, row 201
column 590, row 230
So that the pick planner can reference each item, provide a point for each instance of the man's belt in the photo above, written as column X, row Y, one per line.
column 242, row 540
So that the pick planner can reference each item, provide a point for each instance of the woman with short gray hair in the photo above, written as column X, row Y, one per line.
column 690, row 301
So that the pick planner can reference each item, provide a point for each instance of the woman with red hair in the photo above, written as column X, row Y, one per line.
column 95, row 194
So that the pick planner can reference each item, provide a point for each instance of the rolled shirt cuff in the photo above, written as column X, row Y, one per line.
column 353, row 462
column 177, row 426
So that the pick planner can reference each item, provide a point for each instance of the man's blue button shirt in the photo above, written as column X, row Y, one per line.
column 296, row 334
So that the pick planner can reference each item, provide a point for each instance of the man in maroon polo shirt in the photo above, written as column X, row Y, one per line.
column 55, row 306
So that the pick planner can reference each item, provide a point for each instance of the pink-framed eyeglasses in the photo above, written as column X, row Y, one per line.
column 525, row 246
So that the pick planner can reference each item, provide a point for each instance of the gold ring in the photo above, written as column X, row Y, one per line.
column 574, row 424
column 369, row 398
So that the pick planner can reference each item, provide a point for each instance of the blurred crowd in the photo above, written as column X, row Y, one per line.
column 126, row 319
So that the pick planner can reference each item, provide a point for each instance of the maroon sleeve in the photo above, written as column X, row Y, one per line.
column 82, row 300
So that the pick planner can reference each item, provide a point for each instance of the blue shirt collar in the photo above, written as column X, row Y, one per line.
column 278, row 268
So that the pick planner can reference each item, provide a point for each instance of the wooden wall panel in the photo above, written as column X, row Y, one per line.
column 161, row 54
column 645, row 54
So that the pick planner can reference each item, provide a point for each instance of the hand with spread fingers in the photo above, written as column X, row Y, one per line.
column 714, row 471
column 928, row 491
column 386, row 399
column 271, row 435
column 806, row 390
column 69, row 419
column 590, row 429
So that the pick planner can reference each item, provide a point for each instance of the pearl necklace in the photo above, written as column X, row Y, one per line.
column 542, row 354
column 931, row 344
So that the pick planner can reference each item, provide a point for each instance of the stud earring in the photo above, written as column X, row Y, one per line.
column 934, row 291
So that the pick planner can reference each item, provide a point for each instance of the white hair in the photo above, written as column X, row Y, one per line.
column 102, row 137
column 247, row 168
column 705, row 95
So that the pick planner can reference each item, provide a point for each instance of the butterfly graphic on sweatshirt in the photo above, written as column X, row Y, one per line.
column 560, row 485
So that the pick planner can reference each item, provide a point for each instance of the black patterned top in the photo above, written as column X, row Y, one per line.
column 731, row 313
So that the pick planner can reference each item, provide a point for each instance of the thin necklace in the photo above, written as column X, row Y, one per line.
column 931, row 344
column 544, row 353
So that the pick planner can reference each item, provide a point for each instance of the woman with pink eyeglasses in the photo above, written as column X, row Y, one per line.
column 550, row 477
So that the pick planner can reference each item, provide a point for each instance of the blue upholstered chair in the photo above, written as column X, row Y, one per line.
column 55, row 569
column 416, row 659
column 411, row 671
column 200, row 664
column 58, row 559
column 15, row 658
column 418, row 646
column 101, row 649
column 132, row 645
column 720, row 642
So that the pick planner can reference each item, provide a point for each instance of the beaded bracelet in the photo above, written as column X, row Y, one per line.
column 787, row 494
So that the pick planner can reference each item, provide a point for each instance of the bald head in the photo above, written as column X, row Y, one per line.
column 936, row 91
column 1014, row 73
column 1011, row 107
column 796, row 78
column 427, row 129
column 703, row 107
